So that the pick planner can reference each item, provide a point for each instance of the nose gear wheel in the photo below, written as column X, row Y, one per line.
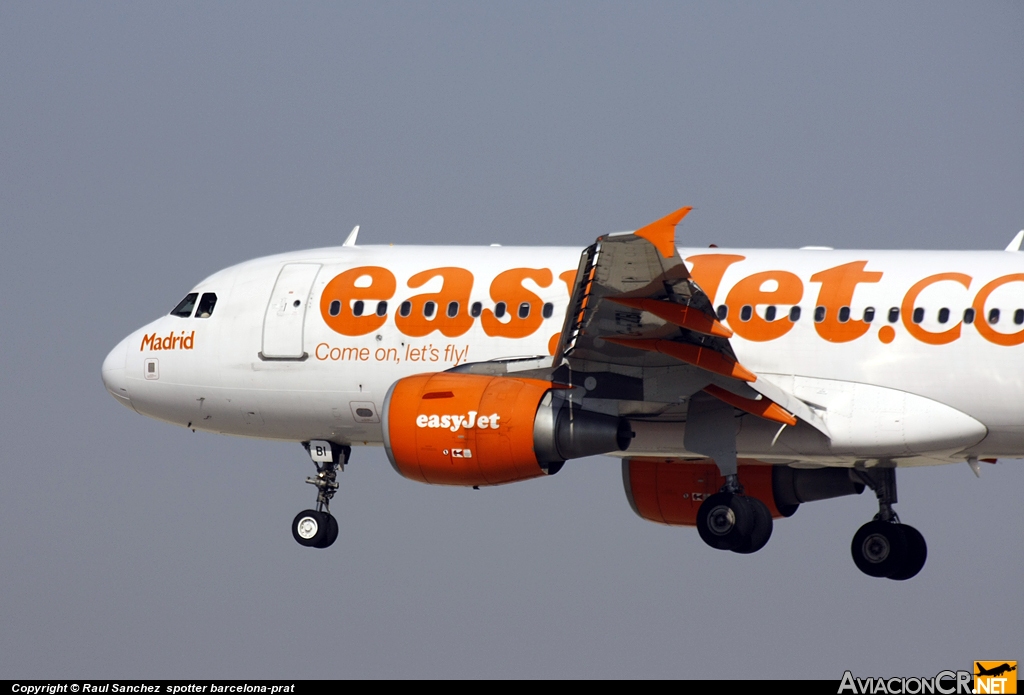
column 317, row 528
column 309, row 528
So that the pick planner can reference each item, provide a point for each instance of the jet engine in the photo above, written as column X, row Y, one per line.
column 671, row 492
column 470, row 429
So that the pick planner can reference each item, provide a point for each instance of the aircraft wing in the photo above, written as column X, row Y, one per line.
column 638, row 323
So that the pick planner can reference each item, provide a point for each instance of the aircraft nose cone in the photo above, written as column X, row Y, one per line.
column 113, row 374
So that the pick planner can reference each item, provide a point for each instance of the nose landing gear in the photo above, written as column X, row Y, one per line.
column 317, row 528
column 884, row 547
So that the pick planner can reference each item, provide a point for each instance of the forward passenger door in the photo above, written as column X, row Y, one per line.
column 286, row 313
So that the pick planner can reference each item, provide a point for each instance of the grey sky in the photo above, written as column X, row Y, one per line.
column 144, row 146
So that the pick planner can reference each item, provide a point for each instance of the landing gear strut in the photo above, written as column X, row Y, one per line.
column 884, row 547
column 729, row 520
column 317, row 528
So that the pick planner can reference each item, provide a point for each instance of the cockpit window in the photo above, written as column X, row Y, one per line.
column 206, row 305
column 185, row 306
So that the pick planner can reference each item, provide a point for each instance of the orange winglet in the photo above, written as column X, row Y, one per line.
column 662, row 233
column 677, row 314
column 700, row 357
column 766, row 408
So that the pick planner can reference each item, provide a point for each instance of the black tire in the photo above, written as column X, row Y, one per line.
column 879, row 548
column 332, row 532
column 761, row 530
column 917, row 554
column 787, row 510
column 724, row 520
column 309, row 528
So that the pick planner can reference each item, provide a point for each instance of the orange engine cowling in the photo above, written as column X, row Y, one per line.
column 472, row 429
column 670, row 492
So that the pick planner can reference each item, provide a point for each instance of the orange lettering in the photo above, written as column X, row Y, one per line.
column 343, row 290
column 748, row 292
column 907, row 309
column 837, row 286
column 452, row 298
column 708, row 270
column 508, row 288
column 987, row 332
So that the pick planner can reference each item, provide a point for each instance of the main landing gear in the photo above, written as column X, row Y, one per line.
column 729, row 520
column 884, row 547
column 317, row 528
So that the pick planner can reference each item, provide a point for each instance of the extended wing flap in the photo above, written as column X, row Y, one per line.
column 791, row 403
column 635, row 308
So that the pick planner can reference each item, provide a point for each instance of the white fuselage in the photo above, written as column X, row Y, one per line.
column 272, row 362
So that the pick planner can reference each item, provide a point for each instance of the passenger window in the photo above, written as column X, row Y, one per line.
column 746, row 313
column 475, row 309
column 869, row 314
column 1018, row 316
column 453, row 309
column 722, row 312
column 794, row 314
column 206, row 304
column 993, row 316
column 185, row 306
column 819, row 314
column 968, row 315
column 894, row 314
column 918, row 315
column 844, row 314
column 405, row 308
column 943, row 315
column 357, row 308
column 499, row 309
column 548, row 310
column 428, row 309
column 524, row 310
column 382, row 308
column 335, row 308
column 769, row 314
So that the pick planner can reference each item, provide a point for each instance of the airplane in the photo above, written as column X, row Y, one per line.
column 733, row 384
column 995, row 671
